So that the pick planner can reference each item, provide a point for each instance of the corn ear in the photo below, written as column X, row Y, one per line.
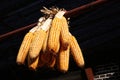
column 37, row 43
column 64, row 36
column 25, row 45
column 44, row 47
column 53, row 39
column 76, row 52
column 39, row 38
column 54, row 33
column 64, row 59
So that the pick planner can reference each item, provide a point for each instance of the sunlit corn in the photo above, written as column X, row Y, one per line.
column 76, row 52
column 44, row 47
column 54, row 34
column 64, row 59
column 37, row 43
column 25, row 45
column 39, row 38
column 64, row 36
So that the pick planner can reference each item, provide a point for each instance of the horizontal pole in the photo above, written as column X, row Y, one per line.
column 70, row 13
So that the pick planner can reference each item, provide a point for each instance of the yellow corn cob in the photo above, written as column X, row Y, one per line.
column 76, row 52
column 37, row 42
column 44, row 47
column 33, row 63
column 53, row 39
column 64, row 59
column 54, row 34
column 23, row 50
column 64, row 36
column 25, row 45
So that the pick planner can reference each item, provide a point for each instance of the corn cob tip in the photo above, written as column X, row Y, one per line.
column 63, row 71
column 46, row 24
column 19, row 63
column 33, row 56
column 33, row 29
column 82, row 65
column 41, row 19
column 60, row 14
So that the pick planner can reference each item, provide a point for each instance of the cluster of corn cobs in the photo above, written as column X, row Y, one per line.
column 50, row 43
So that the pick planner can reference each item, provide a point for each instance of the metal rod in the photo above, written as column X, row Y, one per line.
column 70, row 13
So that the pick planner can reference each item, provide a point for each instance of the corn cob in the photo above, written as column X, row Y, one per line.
column 63, row 63
column 44, row 47
column 37, row 42
column 23, row 50
column 33, row 63
column 64, row 36
column 54, row 34
column 76, row 51
column 41, row 19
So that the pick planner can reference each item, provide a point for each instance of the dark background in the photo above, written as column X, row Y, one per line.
column 97, row 32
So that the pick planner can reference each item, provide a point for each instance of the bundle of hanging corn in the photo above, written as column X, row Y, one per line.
column 50, row 43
